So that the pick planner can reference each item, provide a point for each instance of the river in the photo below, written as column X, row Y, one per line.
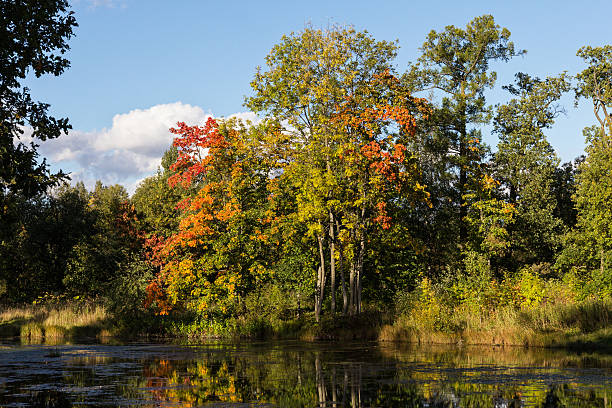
column 299, row 374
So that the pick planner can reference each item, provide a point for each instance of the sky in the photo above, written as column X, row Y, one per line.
column 140, row 66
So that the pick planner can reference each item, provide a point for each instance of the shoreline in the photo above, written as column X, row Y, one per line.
column 365, row 327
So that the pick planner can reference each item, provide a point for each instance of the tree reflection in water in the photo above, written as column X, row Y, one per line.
column 320, row 379
column 294, row 374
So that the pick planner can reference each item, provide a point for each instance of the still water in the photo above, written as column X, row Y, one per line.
column 298, row 374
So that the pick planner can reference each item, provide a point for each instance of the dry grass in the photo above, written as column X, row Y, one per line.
column 32, row 331
column 69, row 317
column 53, row 323
column 18, row 313
column 548, row 325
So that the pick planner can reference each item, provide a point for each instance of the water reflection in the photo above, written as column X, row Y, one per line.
column 293, row 374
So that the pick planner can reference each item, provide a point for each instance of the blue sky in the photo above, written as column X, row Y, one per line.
column 138, row 66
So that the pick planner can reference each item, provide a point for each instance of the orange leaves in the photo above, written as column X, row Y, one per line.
column 195, row 145
column 371, row 150
column 382, row 218
column 157, row 296
column 386, row 103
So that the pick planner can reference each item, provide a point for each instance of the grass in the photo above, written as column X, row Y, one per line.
column 578, row 325
column 54, row 323
column 572, row 325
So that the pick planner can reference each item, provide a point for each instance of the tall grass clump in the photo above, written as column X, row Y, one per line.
column 32, row 331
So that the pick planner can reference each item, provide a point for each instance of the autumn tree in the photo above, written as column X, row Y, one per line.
column 329, row 87
column 215, row 257
column 455, row 64
column 307, row 76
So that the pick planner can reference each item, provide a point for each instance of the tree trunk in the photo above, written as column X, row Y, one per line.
column 317, row 303
column 462, row 185
column 360, row 271
column 345, row 299
column 320, row 281
column 463, row 162
column 332, row 262
column 352, row 289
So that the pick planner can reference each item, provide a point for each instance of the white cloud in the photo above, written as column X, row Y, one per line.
column 146, row 131
column 245, row 117
column 130, row 150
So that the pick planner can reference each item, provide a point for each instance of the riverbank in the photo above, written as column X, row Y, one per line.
column 578, row 325
column 584, row 326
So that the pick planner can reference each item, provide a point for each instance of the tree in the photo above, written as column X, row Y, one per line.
column 526, row 165
column 113, row 239
column 156, row 201
column 218, row 252
column 591, row 242
column 564, row 188
column 594, row 194
column 592, row 238
column 595, row 83
column 489, row 217
column 455, row 62
column 335, row 90
column 33, row 38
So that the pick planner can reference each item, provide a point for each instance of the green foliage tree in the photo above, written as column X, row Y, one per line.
column 33, row 38
column 595, row 83
column 456, row 64
column 45, row 230
column 564, row 188
column 526, row 163
column 156, row 201
column 112, row 240
column 588, row 247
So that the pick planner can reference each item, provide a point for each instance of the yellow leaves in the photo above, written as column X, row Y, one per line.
column 185, row 267
column 488, row 182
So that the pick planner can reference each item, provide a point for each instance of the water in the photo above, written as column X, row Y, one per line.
column 298, row 374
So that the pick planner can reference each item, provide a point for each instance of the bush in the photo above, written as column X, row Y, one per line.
column 270, row 302
column 125, row 296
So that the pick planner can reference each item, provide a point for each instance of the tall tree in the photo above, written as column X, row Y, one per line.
column 456, row 63
column 33, row 38
column 526, row 163
column 594, row 181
